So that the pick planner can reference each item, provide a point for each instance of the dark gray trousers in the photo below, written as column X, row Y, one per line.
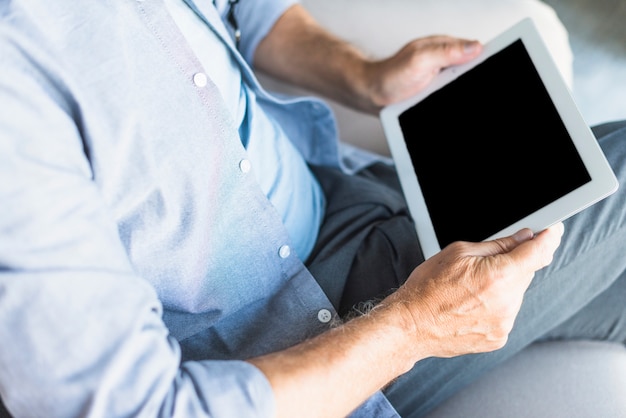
column 367, row 247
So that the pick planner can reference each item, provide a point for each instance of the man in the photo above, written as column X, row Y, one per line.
column 177, row 242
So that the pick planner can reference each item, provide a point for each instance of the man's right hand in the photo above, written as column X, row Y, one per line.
column 465, row 299
column 462, row 300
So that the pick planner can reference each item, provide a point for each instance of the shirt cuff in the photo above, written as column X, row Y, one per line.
column 222, row 389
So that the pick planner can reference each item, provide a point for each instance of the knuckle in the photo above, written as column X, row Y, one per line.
column 499, row 338
column 457, row 249
column 500, row 343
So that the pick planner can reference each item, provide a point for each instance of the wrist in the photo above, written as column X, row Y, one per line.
column 413, row 321
column 365, row 83
column 401, row 332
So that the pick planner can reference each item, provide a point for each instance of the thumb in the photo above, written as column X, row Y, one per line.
column 447, row 51
column 507, row 244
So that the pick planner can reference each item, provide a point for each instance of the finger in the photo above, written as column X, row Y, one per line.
column 503, row 245
column 537, row 253
column 446, row 51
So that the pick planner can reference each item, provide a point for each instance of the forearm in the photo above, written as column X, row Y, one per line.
column 298, row 50
column 332, row 374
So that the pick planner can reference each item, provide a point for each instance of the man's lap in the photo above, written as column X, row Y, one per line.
column 597, row 237
column 577, row 296
column 367, row 228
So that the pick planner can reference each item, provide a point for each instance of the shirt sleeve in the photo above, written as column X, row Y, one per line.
column 255, row 19
column 81, row 333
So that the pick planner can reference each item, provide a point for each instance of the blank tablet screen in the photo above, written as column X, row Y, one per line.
column 490, row 148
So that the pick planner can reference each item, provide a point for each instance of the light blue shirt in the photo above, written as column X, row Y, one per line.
column 140, row 261
column 279, row 168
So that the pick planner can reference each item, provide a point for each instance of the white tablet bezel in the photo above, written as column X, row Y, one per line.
column 603, row 181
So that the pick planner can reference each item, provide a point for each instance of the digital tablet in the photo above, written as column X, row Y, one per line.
column 494, row 146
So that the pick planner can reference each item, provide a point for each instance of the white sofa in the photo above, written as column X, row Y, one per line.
column 557, row 379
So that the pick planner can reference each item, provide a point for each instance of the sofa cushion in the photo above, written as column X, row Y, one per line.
column 548, row 380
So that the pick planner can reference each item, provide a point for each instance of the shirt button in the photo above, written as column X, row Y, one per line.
column 245, row 165
column 324, row 316
column 199, row 79
column 284, row 251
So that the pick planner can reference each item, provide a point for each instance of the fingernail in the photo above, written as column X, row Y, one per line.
column 469, row 47
column 523, row 235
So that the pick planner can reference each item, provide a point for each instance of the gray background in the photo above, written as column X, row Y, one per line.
column 597, row 30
